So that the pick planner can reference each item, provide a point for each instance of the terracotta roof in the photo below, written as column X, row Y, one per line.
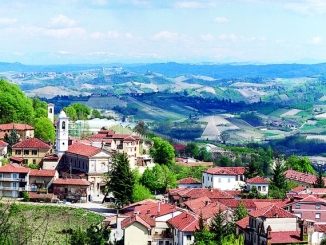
column 125, row 136
column 233, row 192
column 198, row 203
column 72, row 182
column 2, row 143
column 189, row 180
column 257, row 180
column 298, row 189
column 13, row 168
column 285, row 237
column 51, row 157
column 2, row 135
column 179, row 147
column 97, row 136
column 226, row 170
column 301, row 177
column 16, row 159
column 83, row 150
column 234, row 203
column 107, row 132
column 146, row 220
column 35, row 195
column 32, row 143
column 42, row 172
column 156, row 209
column 17, row 126
column 195, row 164
column 243, row 223
column 272, row 211
column 320, row 228
column 140, row 203
column 184, row 222
column 212, row 193
column 210, row 210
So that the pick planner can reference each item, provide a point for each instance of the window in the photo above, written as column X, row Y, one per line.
column 317, row 206
column 259, row 188
column 26, row 152
column 34, row 152
column 50, row 110
column 18, row 152
column 188, row 237
column 297, row 206
column 264, row 188
column 175, row 231
column 236, row 178
column 14, row 176
column 229, row 180
column 203, row 179
column 34, row 161
column 63, row 125
column 1, row 175
column 317, row 216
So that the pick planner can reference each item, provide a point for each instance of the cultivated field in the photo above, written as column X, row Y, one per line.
column 216, row 125
column 290, row 112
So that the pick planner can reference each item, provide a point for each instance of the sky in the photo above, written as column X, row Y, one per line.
column 148, row 31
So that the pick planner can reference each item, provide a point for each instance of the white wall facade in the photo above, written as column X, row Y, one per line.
column 223, row 182
column 189, row 185
column 262, row 188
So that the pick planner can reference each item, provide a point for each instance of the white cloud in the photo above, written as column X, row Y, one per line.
column 221, row 20
column 65, row 32
column 128, row 35
column 165, row 35
column 207, row 37
column 6, row 21
column 194, row 4
column 62, row 21
column 96, row 35
column 308, row 7
column 315, row 40
column 64, row 52
column 113, row 34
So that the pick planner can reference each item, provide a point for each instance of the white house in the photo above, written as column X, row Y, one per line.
column 260, row 183
column 189, row 183
column 3, row 149
column 224, row 178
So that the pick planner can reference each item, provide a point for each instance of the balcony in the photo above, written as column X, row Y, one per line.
column 11, row 188
column 14, row 179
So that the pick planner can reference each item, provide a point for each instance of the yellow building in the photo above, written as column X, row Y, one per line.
column 30, row 151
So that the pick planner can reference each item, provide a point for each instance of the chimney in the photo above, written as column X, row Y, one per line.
column 159, row 207
column 269, row 230
column 276, row 215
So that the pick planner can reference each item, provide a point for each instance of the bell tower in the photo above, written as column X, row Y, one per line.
column 51, row 112
column 62, row 133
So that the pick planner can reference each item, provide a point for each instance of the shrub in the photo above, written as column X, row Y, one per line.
column 25, row 196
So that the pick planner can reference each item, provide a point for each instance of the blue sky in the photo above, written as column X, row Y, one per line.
column 187, row 31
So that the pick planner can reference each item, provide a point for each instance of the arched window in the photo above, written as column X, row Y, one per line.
column 50, row 110
column 63, row 125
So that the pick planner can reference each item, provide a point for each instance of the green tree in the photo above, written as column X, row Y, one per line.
column 191, row 149
column 15, row 106
column 218, row 227
column 44, row 129
column 96, row 114
column 278, row 184
column 97, row 235
column 40, row 108
column 121, row 179
column 240, row 211
column 204, row 155
column 82, row 111
column 71, row 113
column 162, row 151
column 140, row 128
column 299, row 164
column 319, row 183
column 224, row 136
column 168, row 178
column 140, row 193
column 78, row 237
column 150, row 178
column 11, row 139
column 202, row 235
column 224, row 162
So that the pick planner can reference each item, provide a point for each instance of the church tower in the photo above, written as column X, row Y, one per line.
column 62, row 133
column 51, row 112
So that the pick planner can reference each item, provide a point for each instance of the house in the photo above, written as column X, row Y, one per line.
column 3, row 149
column 303, row 179
column 74, row 190
column 224, row 178
column 14, row 180
column 189, row 183
column 31, row 151
column 183, row 227
column 260, row 183
column 24, row 131
column 40, row 180
column 309, row 208
column 274, row 225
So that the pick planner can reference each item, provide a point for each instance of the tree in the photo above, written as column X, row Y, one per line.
column 44, row 129
column 240, row 212
column 319, row 183
column 278, row 184
column 140, row 128
column 202, row 235
column 168, row 178
column 299, row 164
column 15, row 106
column 224, row 162
column 96, row 114
column 40, row 108
column 224, row 136
column 218, row 227
column 77, row 111
column 162, row 151
column 71, row 113
column 140, row 193
column 191, row 149
column 11, row 139
column 204, row 155
column 121, row 179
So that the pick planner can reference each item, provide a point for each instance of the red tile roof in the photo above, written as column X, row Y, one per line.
column 225, row 170
column 125, row 136
column 194, row 193
column 179, row 147
column 234, row 203
column 185, row 221
column 2, row 135
column 301, row 177
column 320, row 228
column 198, row 203
column 285, row 237
column 3, row 144
column 257, row 180
column 243, row 223
column 16, row 159
column 83, row 150
column 42, row 172
column 97, row 136
column 156, row 209
column 82, row 182
column 13, row 168
column 210, row 210
column 32, row 143
column 189, row 180
column 17, row 126
column 146, row 220
column 272, row 211
column 107, row 132
column 140, row 203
